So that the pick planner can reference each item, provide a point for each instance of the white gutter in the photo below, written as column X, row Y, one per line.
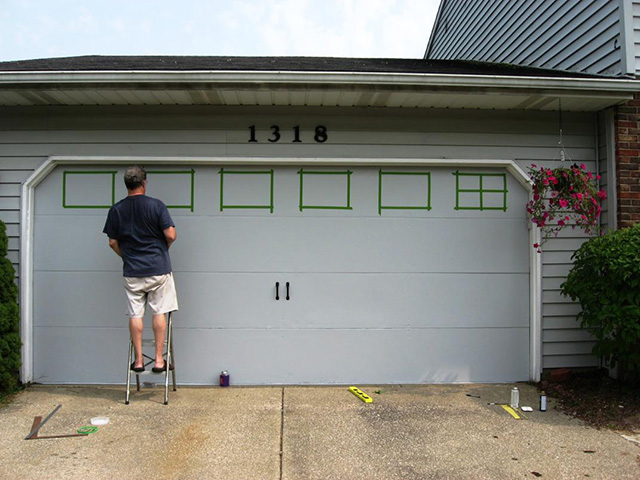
column 421, row 80
column 28, row 206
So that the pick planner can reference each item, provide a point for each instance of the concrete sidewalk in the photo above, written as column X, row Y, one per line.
column 299, row 433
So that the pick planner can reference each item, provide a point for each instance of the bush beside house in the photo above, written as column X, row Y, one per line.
column 605, row 279
column 9, row 320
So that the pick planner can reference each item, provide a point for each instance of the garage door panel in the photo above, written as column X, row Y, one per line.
column 223, row 300
column 73, row 243
column 255, row 357
column 80, row 355
column 353, row 356
column 318, row 300
column 353, row 245
column 401, row 301
column 300, row 245
column 87, row 297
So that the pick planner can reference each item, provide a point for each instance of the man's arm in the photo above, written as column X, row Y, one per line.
column 115, row 246
column 170, row 235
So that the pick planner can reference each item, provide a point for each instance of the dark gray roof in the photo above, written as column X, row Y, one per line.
column 291, row 64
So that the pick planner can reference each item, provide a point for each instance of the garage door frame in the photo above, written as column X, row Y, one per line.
column 28, row 206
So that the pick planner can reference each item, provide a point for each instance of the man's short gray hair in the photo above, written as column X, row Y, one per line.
column 134, row 176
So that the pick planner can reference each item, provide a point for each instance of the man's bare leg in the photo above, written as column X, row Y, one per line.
column 159, row 332
column 135, row 328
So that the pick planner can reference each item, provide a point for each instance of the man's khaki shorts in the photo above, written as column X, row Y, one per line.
column 158, row 292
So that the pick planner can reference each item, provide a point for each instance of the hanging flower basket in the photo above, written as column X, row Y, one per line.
column 564, row 197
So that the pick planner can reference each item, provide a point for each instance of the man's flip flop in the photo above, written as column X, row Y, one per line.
column 137, row 369
column 160, row 369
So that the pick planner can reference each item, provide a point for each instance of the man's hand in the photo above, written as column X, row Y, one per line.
column 115, row 246
column 170, row 235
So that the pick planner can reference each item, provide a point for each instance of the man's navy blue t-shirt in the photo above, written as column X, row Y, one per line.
column 138, row 222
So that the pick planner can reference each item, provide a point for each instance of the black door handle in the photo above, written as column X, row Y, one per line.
column 277, row 290
column 287, row 290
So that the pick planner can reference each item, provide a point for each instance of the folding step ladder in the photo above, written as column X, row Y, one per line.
column 167, row 355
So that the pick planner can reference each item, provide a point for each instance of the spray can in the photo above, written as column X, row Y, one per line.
column 515, row 397
column 543, row 401
column 224, row 378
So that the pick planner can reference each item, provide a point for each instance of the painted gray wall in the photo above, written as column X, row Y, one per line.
column 581, row 36
column 27, row 139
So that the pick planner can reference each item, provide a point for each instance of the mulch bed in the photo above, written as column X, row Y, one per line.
column 597, row 399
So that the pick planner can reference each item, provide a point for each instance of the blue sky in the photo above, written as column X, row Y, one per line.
column 334, row 28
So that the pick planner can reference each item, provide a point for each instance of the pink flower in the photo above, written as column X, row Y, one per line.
column 561, row 223
column 536, row 245
column 583, row 166
column 563, row 203
column 602, row 194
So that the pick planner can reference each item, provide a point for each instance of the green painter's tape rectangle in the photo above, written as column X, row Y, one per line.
column 481, row 191
column 403, row 207
column 224, row 206
column 112, row 180
column 191, row 172
column 302, row 172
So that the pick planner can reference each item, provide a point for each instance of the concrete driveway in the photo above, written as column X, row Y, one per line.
column 299, row 433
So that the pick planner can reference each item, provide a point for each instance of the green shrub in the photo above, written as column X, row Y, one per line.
column 605, row 279
column 9, row 320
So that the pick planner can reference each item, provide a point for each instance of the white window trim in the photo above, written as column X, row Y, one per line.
column 28, row 205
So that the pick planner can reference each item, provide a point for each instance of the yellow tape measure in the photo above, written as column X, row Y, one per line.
column 511, row 412
column 361, row 395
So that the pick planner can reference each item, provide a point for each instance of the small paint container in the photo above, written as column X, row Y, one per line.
column 515, row 398
column 224, row 378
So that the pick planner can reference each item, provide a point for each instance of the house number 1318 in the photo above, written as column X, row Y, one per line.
column 320, row 134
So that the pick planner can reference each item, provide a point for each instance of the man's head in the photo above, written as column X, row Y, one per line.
column 134, row 177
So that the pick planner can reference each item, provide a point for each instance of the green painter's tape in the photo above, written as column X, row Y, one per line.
column 179, row 172
column 88, row 172
column 224, row 172
column 403, row 207
column 302, row 172
column 481, row 191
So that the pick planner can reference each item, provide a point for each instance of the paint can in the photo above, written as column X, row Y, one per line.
column 543, row 402
column 224, row 378
column 515, row 397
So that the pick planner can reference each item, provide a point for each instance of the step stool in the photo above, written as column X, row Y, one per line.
column 167, row 355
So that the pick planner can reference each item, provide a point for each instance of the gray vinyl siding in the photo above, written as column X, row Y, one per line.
column 580, row 36
column 528, row 137
column 636, row 35
column 606, row 159
column 14, row 170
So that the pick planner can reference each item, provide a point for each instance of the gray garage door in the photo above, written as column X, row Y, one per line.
column 296, row 275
